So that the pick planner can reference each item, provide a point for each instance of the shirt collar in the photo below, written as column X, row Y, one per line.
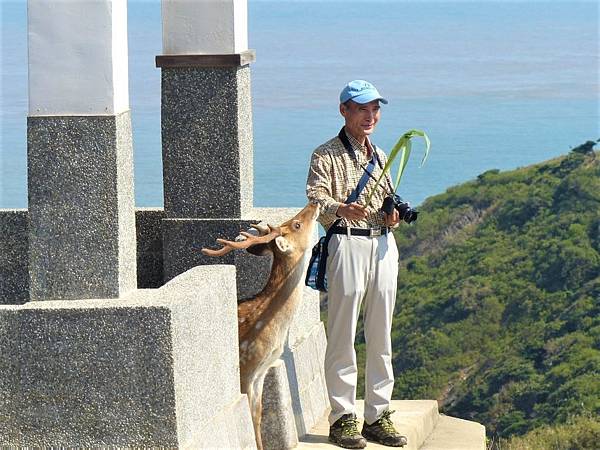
column 357, row 146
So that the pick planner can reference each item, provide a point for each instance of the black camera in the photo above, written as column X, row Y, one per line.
column 406, row 212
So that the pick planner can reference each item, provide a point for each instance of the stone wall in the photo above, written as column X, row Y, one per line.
column 14, row 253
column 126, row 373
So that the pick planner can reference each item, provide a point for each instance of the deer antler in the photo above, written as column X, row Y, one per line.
column 250, row 240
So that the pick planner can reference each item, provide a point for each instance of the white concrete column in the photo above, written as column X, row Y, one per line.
column 80, row 158
column 199, row 27
column 77, row 57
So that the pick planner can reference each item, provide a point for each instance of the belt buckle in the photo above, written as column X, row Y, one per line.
column 375, row 232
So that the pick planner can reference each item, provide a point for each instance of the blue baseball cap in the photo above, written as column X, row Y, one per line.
column 360, row 91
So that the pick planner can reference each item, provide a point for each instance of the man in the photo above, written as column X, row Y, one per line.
column 362, row 267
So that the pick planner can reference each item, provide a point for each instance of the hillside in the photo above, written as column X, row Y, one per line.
column 498, row 309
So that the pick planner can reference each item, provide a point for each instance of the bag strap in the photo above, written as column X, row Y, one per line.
column 364, row 179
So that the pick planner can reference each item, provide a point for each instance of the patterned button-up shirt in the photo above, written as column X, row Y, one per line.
column 334, row 174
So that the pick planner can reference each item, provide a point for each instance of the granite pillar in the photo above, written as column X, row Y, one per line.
column 206, row 140
column 148, row 231
column 81, row 207
column 207, row 158
column 79, row 151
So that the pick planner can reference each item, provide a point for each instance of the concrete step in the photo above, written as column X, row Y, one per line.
column 420, row 422
column 451, row 433
column 415, row 419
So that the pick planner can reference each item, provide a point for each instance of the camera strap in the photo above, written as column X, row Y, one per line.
column 342, row 136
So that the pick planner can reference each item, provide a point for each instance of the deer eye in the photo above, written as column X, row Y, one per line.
column 297, row 225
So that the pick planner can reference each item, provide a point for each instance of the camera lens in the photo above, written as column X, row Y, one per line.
column 404, row 210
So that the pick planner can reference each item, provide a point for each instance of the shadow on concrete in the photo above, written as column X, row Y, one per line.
column 314, row 439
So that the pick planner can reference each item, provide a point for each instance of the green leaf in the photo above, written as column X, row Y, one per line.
column 403, row 146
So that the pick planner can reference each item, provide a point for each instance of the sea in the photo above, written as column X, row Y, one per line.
column 495, row 85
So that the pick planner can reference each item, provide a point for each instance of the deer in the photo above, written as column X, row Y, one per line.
column 264, row 320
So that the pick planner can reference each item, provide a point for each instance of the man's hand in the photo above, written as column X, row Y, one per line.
column 352, row 211
column 391, row 219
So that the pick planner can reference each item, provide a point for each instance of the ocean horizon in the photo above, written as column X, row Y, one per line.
column 495, row 86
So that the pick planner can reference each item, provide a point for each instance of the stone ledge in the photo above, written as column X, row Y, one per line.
column 206, row 60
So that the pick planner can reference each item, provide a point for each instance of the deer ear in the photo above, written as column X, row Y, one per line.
column 259, row 249
column 283, row 244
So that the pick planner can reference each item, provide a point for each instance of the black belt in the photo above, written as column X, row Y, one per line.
column 370, row 232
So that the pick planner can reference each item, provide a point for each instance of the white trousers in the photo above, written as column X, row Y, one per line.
column 360, row 269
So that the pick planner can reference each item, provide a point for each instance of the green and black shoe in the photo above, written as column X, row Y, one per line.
column 383, row 432
column 344, row 432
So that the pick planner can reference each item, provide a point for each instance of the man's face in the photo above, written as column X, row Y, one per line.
column 361, row 118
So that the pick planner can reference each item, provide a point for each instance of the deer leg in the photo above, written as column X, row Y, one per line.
column 256, row 408
column 248, row 388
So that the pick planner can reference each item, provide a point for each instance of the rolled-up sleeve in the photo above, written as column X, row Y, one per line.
column 319, row 186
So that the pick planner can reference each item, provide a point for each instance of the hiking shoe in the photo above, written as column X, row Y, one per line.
column 344, row 432
column 383, row 432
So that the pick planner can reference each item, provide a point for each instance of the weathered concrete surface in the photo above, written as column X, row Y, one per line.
column 14, row 252
column 130, row 372
column 306, row 342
